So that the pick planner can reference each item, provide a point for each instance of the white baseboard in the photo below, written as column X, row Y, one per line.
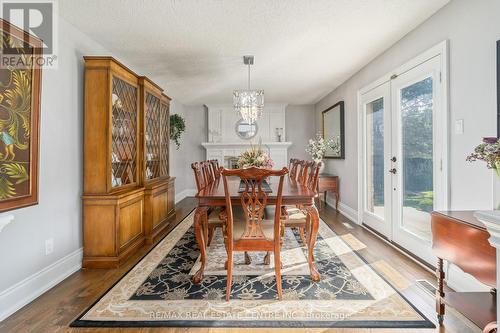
column 345, row 210
column 25, row 291
column 183, row 194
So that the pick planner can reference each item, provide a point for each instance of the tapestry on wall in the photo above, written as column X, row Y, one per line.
column 19, row 113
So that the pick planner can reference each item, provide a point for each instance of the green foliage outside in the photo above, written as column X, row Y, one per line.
column 422, row 201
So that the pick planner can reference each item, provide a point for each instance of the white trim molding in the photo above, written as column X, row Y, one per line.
column 350, row 213
column 15, row 297
column 439, row 50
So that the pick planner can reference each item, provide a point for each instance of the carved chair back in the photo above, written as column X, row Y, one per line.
column 253, row 202
column 199, row 175
column 312, row 179
column 295, row 169
column 303, row 174
column 215, row 168
column 207, row 172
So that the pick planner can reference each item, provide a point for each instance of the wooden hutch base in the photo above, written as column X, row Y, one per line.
column 128, row 194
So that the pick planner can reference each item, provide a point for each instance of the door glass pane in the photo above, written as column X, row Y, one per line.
column 123, row 143
column 375, row 157
column 152, row 139
column 416, row 119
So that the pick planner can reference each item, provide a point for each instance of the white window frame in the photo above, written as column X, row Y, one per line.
column 441, row 50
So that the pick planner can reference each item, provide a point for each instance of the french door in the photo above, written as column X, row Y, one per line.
column 404, row 133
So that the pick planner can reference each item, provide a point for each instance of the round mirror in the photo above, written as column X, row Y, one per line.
column 245, row 130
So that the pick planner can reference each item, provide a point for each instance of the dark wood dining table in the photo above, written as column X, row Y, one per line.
column 293, row 193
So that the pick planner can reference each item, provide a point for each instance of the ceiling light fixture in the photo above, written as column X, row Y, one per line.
column 249, row 103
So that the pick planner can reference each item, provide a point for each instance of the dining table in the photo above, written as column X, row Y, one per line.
column 293, row 193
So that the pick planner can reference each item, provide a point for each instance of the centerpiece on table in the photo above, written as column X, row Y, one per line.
column 317, row 148
column 255, row 157
column 489, row 152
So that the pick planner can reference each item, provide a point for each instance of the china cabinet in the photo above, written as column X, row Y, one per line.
column 158, row 186
column 127, row 191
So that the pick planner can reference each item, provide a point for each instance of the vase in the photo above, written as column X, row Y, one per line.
column 496, row 189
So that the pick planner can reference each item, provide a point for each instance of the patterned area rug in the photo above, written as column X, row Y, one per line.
column 158, row 291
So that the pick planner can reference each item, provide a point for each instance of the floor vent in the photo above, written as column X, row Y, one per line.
column 426, row 286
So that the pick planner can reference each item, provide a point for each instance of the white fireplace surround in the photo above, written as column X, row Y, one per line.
column 278, row 151
column 224, row 144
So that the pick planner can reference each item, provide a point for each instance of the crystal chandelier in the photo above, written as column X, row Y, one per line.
column 249, row 103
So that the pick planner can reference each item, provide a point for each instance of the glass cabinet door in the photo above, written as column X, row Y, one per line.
column 164, row 134
column 124, row 133
column 152, row 138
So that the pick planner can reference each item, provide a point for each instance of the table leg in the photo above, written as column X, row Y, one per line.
column 337, row 198
column 312, row 234
column 440, row 292
column 200, row 227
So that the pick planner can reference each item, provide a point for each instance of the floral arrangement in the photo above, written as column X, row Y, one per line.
column 489, row 152
column 318, row 146
column 255, row 157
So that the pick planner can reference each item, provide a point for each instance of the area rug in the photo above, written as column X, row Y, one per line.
column 158, row 291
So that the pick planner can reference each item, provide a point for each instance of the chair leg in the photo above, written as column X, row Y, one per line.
column 248, row 260
column 277, row 269
column 229, row 274
column 302, row 234
column 211, row 232
column 267, row 258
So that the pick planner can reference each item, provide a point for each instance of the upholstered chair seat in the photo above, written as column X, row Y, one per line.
column 217, row 215
column 239, row 228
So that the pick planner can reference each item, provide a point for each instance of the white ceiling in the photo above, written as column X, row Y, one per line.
column 193, row 48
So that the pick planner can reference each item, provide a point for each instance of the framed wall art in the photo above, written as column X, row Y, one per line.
column 20, row 87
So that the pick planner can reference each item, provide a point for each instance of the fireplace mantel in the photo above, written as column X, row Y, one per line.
column 221, row 151
column 244, row 145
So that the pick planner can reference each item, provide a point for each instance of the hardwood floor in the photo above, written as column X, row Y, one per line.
column 56, row 309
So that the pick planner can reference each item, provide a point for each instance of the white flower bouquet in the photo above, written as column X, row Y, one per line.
column 318, row 146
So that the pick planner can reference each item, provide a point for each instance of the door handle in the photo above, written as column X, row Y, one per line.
column 394, row 159
column 393, row 171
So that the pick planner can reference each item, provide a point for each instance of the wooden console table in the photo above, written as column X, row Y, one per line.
column 459, row 238
column 330, row 183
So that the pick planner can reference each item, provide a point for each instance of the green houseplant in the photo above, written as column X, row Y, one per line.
column 177, row 126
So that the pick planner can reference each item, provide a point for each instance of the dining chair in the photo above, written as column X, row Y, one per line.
column 303, row 174
column 293, row 171
column 299, row 174
column 199, row 175
column 217, row 216
column 246, row 228
column 207, row 172
column 295, row 216
column 215, row 168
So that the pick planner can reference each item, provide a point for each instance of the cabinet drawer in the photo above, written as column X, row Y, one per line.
column 327, row 184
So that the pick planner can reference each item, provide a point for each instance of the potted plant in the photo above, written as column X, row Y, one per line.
column 177, row 127
column 318, row 146
column 489, row 152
